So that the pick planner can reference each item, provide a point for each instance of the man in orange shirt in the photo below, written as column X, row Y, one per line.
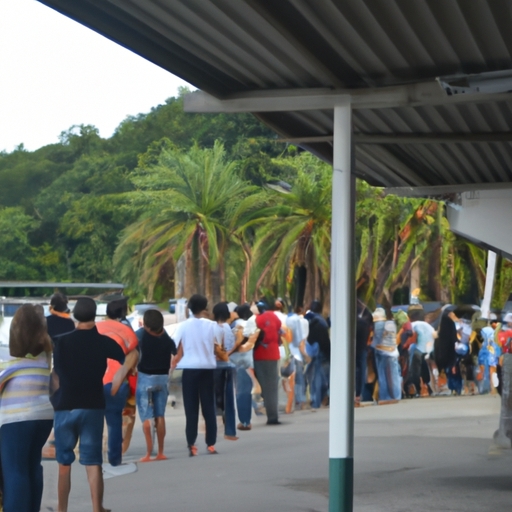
column 115, row 404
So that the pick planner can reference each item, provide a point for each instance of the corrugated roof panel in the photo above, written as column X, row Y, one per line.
column 486, row 34
column 494, row 165
column 368, row 27
column 451, row 19
column 344, row 39
column 425, row 26
column 465, row 164
column 272, row 45
column 434, row 119
column 398, row 30
column 430, row 155
column 372, row 118
column 230, row 46
column 208, row 43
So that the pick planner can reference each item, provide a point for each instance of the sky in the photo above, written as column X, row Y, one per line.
column 55, row 73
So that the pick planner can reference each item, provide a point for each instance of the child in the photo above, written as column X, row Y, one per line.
column 156, row 349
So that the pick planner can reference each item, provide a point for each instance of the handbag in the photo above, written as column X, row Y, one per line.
column 288, row 366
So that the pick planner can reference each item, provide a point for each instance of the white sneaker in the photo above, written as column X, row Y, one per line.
column 110, row 471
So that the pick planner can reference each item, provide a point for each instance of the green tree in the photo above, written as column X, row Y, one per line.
column 294, row 233
column 16, row 255
column 192, row 203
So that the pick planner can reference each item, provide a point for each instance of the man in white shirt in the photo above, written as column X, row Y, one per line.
column 195, row 340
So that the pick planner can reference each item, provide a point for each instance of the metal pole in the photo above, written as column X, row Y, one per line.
column 489, row 284
column 341, row 418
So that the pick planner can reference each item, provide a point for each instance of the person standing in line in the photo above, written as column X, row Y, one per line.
column 319, row 344
column 243, row 360
column 364, row 326
column 115, row 403
column 425, row 336
column 80, row 361
column 118, row 310
column 299, row 328
column 386, row 357
column 195, row 339
column 156, row 350
column 444, row 350
column 287, row 363
column 59, row 320
column 26, row 414
column 266, row 360
column 224, row 373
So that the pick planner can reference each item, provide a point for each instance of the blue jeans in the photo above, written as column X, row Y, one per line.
column 85, row 425
column 225, row 398
column 454, row 378
column 390, row 381
column 317, row 374
column 114, row 406
column 20, row 445
column 243, row 396
column 151, row 395
column 300, row 382
column 360, row 371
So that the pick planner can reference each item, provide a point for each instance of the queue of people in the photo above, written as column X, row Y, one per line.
column 401, row 355
column 68, row 377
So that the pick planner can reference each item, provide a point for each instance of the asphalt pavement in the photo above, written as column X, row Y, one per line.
column 418, row 455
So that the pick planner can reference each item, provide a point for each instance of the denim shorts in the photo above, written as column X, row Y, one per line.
column 151, row 395
column 85, row 425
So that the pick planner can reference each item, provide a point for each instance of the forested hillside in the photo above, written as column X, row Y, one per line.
column 176, row 202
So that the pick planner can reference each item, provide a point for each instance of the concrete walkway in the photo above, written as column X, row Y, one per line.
column 418, row 455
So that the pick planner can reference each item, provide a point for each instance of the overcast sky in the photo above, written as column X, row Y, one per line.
column 55, row 73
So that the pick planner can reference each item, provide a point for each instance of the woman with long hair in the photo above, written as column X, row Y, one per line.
column 26, row 415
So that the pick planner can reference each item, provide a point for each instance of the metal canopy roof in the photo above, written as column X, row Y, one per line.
column 230, row 48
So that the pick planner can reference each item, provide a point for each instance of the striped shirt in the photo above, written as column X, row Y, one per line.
column 25, row 390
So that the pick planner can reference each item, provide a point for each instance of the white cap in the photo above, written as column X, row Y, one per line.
column 232, row 306
column 507, row 318
column 379, row 315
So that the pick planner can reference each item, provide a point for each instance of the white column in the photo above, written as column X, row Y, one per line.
column 489, row 284
column 341, row 417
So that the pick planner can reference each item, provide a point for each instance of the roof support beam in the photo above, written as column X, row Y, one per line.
column 289, row 100
column 408, row 138
column 445, row 190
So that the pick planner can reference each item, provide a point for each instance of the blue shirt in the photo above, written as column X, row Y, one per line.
column 425, row 336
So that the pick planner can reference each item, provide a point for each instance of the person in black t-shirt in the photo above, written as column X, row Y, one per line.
column 59, row 320
column 319, row 368
column 156, row 349
column 80, row 361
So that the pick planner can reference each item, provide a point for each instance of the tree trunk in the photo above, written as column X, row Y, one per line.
column 180, row 277
column 313, row 286
column 216, row 285
column 222, row 273
column 244, row 288
column 415, row 276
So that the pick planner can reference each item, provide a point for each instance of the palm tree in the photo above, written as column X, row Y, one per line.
column 295, row 233
column 396, row 235
column 194, row 202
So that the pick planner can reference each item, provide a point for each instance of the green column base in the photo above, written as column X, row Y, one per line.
column 341, row 485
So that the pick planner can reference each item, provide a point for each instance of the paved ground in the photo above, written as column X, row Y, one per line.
column 418, row 455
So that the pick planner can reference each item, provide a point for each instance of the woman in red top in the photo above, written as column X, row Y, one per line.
column 266, row 360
